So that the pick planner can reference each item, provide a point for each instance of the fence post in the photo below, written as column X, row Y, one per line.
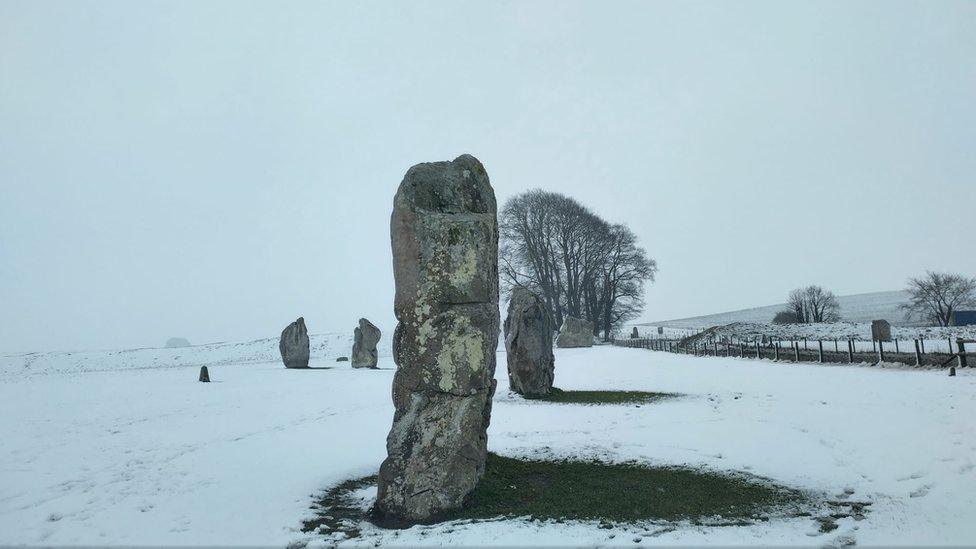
column 804, row 344
column 880, row 351
column 742, row 350
column 796, row 352
column 850, row 350
column 896, row 346
column 950, row 345
column 962, row 352
column 758, row 350
column 923, row 345
column 776, row 351
column 918, row 354
column 820, row 347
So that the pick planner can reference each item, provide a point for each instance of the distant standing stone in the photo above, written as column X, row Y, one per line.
column 204, row 374
column 575, row 332
column 528, row 344
column 444, row 233
column 294, row 345
column 342, row 359
column 881, row 330
column 365, row 338
column 634, row 334
column 176, row 342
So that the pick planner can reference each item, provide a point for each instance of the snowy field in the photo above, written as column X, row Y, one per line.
column 854, row 308
column 124, row 453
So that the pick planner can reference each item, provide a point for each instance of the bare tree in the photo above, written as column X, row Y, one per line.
column 616, row 294
column 822, row 305
column 578, row 263
column 936, row 296
column 813, row 304
column 797, row 303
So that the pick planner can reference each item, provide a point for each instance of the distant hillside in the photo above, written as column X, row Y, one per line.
column 854, row 308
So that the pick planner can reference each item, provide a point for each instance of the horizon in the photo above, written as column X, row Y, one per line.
column 214, row 171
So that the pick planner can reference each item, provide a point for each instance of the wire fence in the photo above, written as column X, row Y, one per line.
column 916, row 352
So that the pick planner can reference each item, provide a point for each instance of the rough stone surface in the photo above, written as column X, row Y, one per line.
column 294, row 345
column 365, row 338
column 528, row 344
column 444, row 233
column 575, row 332
column 634, row 334
column 176, row 342
column 204, row 374
column 342, row 359
column 881, row 330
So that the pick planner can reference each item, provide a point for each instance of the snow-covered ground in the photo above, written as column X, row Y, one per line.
column 117, row 452
column 853, row 308
column 935, row 339
column 324, row 349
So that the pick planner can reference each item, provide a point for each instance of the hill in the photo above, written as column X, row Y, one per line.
column 853, row 308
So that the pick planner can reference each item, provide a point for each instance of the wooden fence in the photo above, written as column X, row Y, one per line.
column 832, row 351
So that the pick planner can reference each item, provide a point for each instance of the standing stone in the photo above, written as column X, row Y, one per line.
column 444, row 232
column 365, row 338
column 528, row 344
column 204, row 374
column 634, row 334
column 881, row 330
column 294, row 345
column 575, row 332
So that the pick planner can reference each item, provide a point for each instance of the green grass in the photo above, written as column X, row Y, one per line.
column 603, row 397
column 588, row 490
column 565, row 490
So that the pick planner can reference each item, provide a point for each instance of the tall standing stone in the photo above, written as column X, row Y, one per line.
column 528, row 344
column 365, row 338
column 444, row 232
column 293, row 345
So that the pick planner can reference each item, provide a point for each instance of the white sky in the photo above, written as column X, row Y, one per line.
column 213, row 170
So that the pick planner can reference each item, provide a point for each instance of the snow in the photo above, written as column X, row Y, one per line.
column 324, row 349
column 936, row 339
column 112, row 451
column 854, row 308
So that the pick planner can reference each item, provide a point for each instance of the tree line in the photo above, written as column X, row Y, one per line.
column 579, row 264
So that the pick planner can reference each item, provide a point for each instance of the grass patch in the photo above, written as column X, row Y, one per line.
column 337, row 511
column 587, row 490
column 603, row 397
column 565, row 490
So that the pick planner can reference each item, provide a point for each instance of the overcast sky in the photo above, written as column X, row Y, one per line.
column 213, row 170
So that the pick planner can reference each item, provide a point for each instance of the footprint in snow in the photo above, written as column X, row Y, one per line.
column 914, row 476
column 966, row 468
column 921, row 492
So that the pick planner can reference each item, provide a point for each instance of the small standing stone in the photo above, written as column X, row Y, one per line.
column 365, row 338
column 634, row 334
column 204, row 374
column 575, row 332
column 528, row 344
column 881, row 330
column 294, row 345
column 342, row 359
